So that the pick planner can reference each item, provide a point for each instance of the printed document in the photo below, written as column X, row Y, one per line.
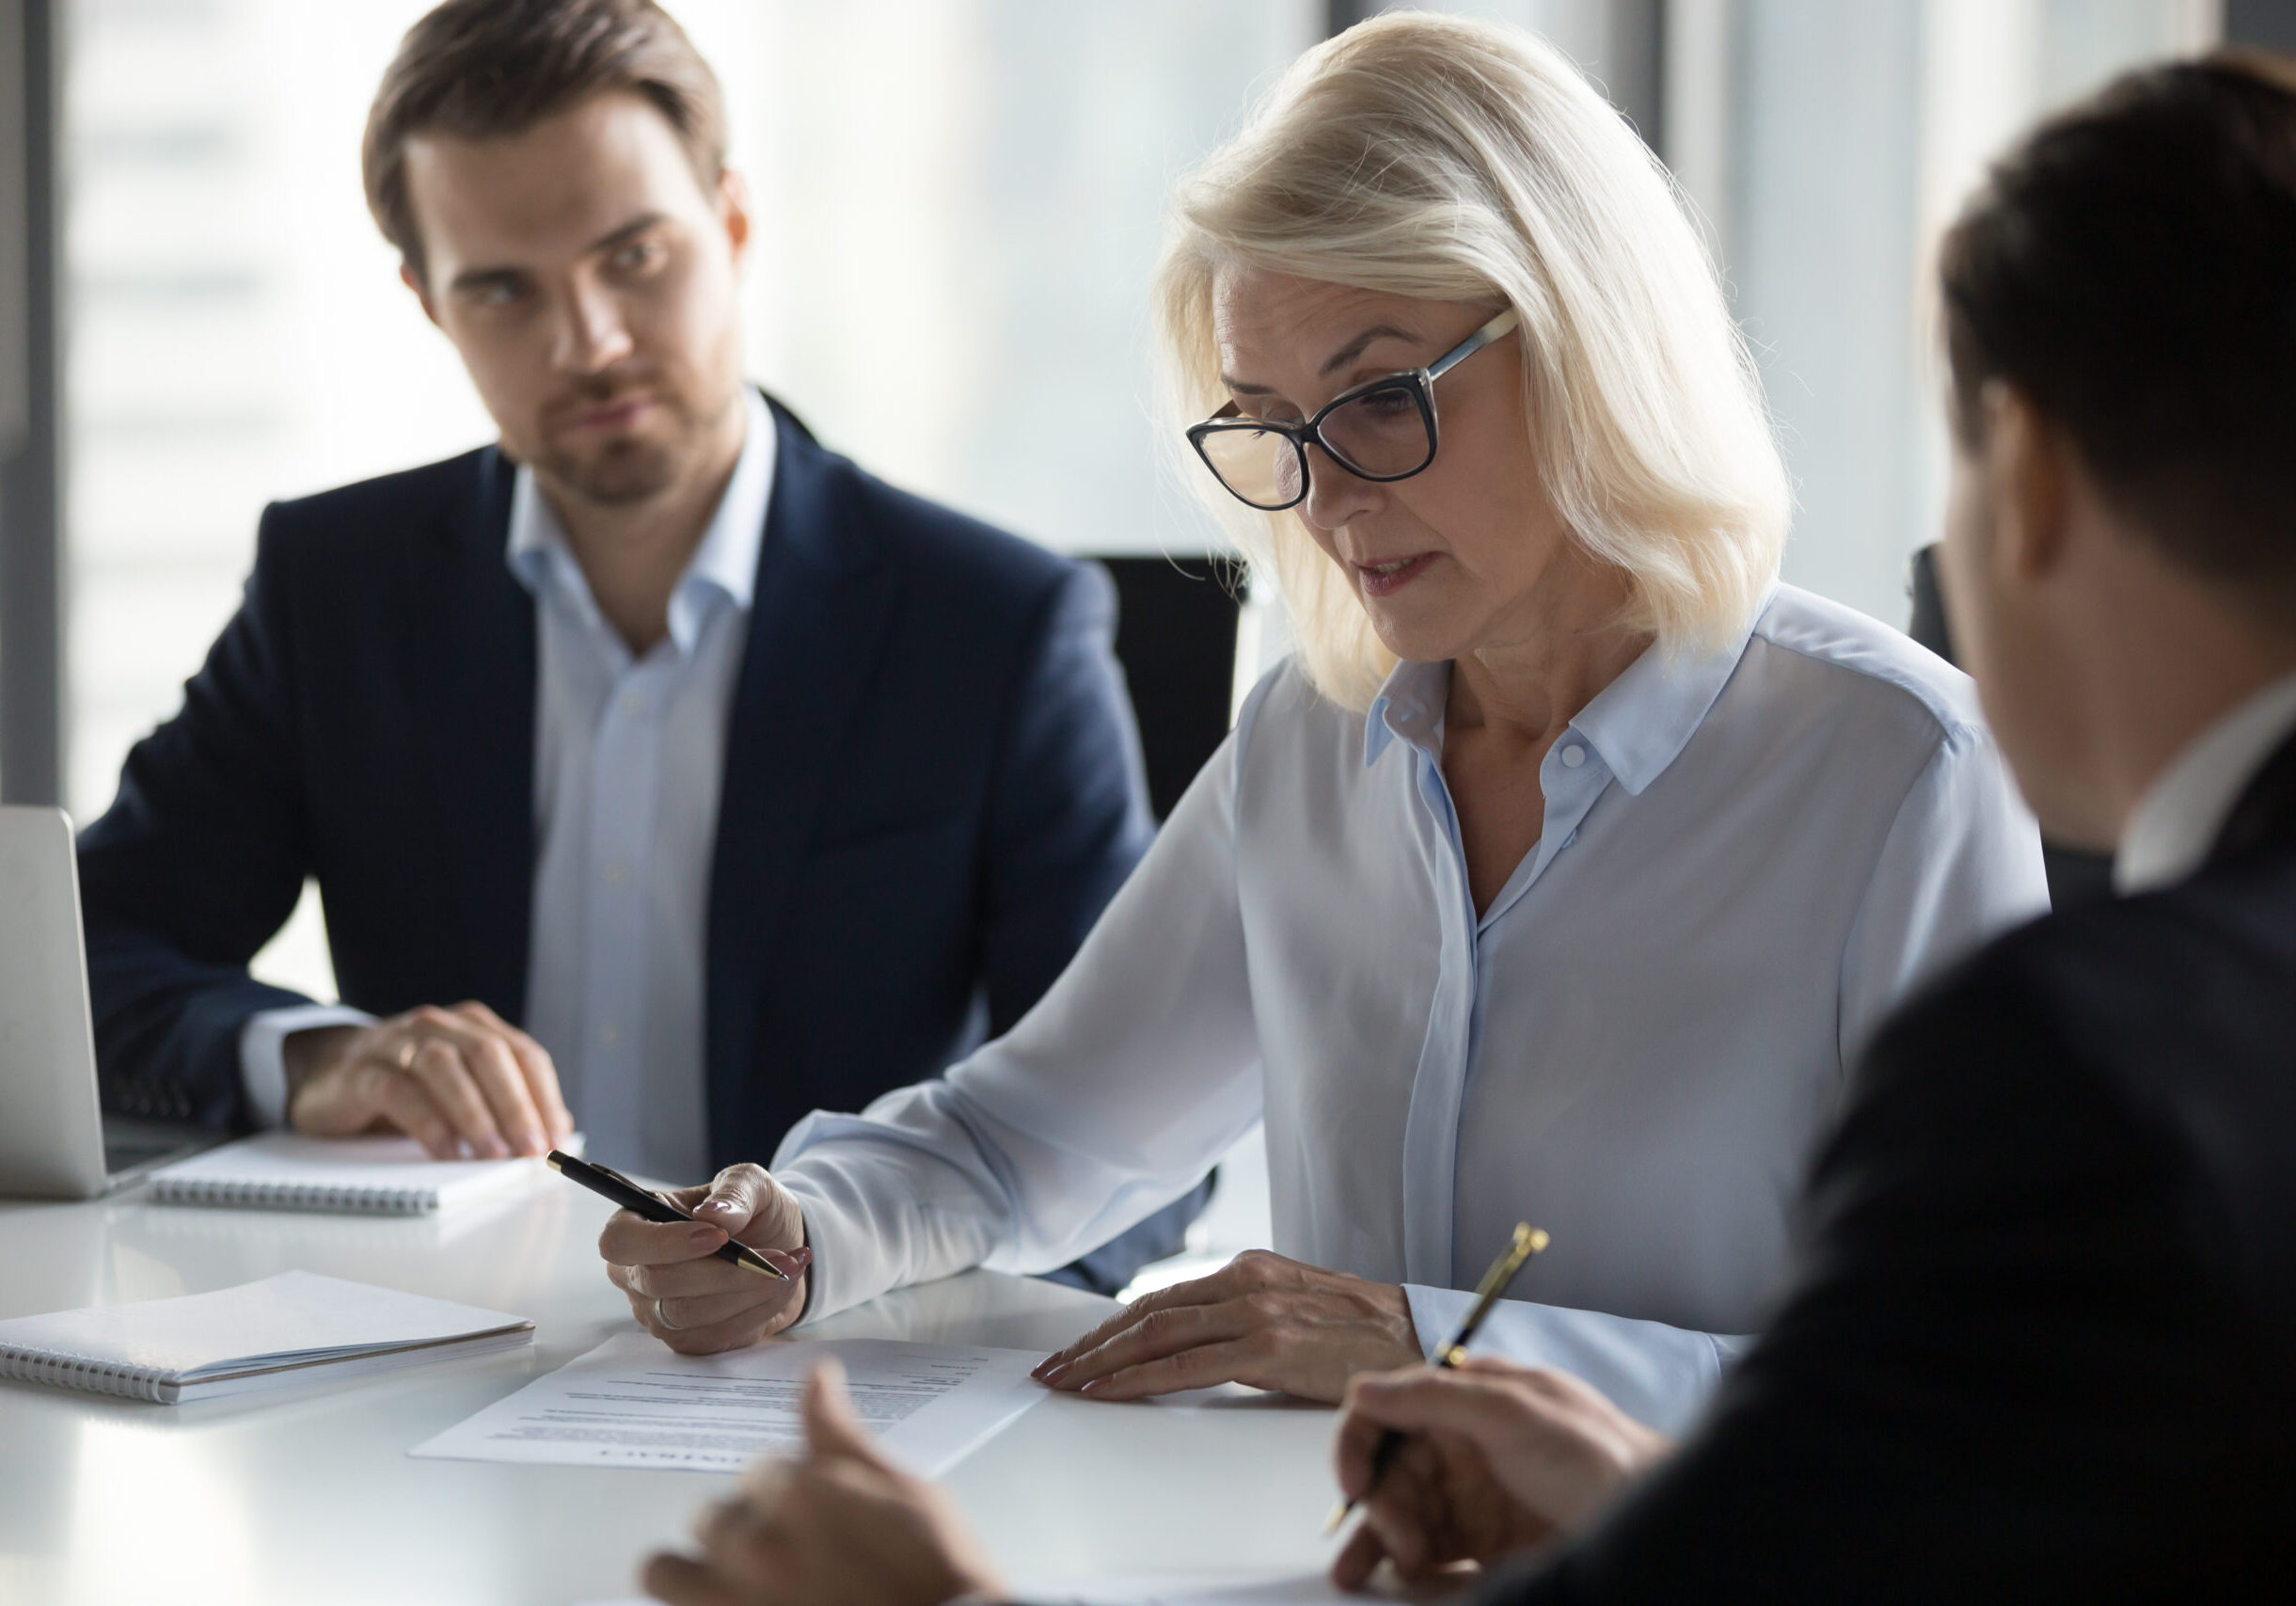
column 632, row 1403
column 1250, row 1589
column 1240, row 1589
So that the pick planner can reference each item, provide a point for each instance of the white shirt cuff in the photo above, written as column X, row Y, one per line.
column 263, row 1052
column 1659, row 1375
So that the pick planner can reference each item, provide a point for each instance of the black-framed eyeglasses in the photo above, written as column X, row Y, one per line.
column 1382, row 430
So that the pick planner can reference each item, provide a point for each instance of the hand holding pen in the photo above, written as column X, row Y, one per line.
column 607, row 1182
column 1488, row 1458
column 708, row 1268
column 1526, row 1242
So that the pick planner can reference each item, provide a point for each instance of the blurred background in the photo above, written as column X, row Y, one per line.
column 958, row 205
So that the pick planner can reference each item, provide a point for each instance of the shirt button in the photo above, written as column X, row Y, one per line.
column 616, row 873
column 1573, row 756
column 610, row 1034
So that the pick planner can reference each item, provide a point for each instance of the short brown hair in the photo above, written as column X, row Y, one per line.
column 479, row 68
column 2130, row 269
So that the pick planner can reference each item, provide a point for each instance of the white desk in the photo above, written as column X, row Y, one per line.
column 311, row 1497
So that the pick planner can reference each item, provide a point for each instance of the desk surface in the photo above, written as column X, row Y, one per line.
column 311, row 1497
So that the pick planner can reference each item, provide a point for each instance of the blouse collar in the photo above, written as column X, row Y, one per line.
column 1638, row 725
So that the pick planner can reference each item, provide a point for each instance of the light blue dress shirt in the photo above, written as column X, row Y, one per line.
column 1748, row 856
column 630, row 758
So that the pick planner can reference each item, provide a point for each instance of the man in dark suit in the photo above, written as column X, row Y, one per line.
column 658, row 768
column 2044, row 1344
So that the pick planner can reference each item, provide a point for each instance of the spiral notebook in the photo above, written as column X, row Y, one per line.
column 367, row 1176
column 294, row 1329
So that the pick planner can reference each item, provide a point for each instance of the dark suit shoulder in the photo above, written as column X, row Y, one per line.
column 2164, row 993
column 452, row 488
column 2171, row 1017
column 339, row 573
column 996, row 575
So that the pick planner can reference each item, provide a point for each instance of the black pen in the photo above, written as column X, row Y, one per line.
column 1528, row 1241
column 615, row 1186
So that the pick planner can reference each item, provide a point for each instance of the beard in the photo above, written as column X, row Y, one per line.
column 620, row 470
column 618, row 473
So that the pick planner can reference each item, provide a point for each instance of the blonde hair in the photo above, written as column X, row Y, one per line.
column 1440, row 158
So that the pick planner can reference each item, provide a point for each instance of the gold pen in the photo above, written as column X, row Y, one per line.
column 1526, row 1242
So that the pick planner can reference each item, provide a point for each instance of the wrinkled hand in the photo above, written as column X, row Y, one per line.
column 1501, row 1458
column 1261, row 1319
column 448, row 1078
column 839, row 1526
column 692, row 1301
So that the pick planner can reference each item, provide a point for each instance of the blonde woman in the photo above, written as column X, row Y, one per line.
column 1557, row 876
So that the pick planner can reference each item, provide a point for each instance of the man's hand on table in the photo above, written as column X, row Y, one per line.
column 839, row 1526
column 448, row 1078
column 1261, row 1319
column 686, row 1298
column 1501, row 1457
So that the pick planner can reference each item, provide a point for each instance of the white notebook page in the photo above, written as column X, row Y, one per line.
column 390, row 1174
column 296, row 1314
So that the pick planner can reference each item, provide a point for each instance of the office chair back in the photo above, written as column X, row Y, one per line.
column 1175, row 638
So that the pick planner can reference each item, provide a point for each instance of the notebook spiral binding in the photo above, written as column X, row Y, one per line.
column 295, row 1196
column 62, row 1370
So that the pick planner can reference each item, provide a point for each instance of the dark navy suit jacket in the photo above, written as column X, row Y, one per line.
column 932, row 786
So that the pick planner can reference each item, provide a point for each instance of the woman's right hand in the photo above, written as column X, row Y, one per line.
column 685, row 1296
column 1500, row 1458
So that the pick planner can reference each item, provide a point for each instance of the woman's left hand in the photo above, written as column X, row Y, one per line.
column 1261, row 1319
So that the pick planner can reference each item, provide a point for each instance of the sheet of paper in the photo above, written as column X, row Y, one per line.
column 632, row 1403
column 1184, row 1589
column 1223, row 1396
column 1179, row 1589
column 1189, row 1589
column 1237, row 1589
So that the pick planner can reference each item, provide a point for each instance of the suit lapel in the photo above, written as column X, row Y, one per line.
column 818, row 622
column 479, row 665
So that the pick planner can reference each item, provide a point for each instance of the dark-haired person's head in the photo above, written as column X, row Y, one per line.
column 552, row 173
column 2120, row 321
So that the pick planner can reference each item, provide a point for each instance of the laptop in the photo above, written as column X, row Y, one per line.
column 55, row 1142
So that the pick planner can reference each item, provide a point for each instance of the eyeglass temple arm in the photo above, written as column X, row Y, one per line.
column 1501, row 324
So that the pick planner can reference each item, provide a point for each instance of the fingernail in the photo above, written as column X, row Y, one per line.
column 1095, row 1385
column 532, row 1141
column 1052, row 1378
column 717, row 1207
column 705, row 1237
column 494, row 1148
column 800, row 1257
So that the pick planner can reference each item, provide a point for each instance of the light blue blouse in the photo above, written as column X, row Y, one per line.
column 1749, row 855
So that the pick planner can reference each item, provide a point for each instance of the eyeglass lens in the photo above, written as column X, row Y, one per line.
column 1382, row 434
